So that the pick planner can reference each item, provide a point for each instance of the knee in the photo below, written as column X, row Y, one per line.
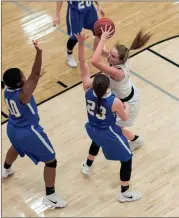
column 94, row 149
column 72, row 42
column 52, row 164
column 12, row 149
column 125, row 172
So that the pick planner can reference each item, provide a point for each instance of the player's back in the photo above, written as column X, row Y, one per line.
column 81, row 6
column 20, row 115
column 107, row 117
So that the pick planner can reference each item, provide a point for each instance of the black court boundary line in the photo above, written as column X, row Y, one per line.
column 62, row 84
column 73, row 86
column 4, row 115
column 164, row 40
column 163, row 57
column 5, row 121
column 65, row 90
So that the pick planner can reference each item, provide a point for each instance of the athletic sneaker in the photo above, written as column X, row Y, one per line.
column 54, row 201
column 6, row 172
column 86, row 169
column 71, row 62
column 128, row 196
column 138, row 143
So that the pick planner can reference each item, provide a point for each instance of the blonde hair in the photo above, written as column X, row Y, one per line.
column 140, row 40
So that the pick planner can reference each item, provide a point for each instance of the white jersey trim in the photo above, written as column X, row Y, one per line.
column 121, row 141
column 42, row 140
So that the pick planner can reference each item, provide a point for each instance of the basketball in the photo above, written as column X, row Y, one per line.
column 101, row 23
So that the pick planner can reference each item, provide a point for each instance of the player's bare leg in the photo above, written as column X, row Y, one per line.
column 93, row 151
column 11, row 156
column 135, row 141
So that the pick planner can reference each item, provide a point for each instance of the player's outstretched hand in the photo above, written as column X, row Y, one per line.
column 56, row 21
column 36, row 45
column 106, row 33
column 81, row 38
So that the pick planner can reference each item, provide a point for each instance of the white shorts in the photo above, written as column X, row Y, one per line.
column 134, row 104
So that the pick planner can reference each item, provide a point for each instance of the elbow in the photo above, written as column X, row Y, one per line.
column 37, row 74
column 125, row 117
column 36, row 70
column 94, row 61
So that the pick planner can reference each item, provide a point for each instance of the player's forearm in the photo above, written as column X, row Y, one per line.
column 98, row 52
column 81, row 54
column 105, row 52
column 36, row 69
column 97, row 3
column 58, row 8
column 82, row 60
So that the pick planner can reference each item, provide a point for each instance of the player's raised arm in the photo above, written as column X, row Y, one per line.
column 96, row 59
column 100, row 9
column 87, row 81
column 105, row 51
column 31, row 83
column 56, row 20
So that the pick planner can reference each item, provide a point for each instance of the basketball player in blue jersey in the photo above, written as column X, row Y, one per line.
column 80, row 14
column 24, row 132
column 101, row 127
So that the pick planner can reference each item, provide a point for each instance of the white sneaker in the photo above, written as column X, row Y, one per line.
column 86, row 169
column 71, row 62
column 138, row 143
column 54, row 201
column 128, row 196
column 6, row 172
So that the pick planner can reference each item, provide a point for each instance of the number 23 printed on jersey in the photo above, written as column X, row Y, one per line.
column 90, row 108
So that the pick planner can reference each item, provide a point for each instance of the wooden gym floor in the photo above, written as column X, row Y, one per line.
column 155, row 72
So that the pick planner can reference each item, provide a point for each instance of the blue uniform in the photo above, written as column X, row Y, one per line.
column 24, row 131
column 103, row 130
column 80, row 14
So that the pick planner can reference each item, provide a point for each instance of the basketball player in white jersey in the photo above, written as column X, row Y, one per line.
column 120, row 84
column 119, row 74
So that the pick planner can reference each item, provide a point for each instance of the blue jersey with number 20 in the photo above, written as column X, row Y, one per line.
column 81, row 6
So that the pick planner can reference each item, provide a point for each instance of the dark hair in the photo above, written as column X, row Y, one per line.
column 2, row 84
column 100, row 85
column 140, row 40
column 12, row 77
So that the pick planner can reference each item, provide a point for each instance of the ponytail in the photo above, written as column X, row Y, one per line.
column 140, row 40
column 100, row 86
column 99, row 104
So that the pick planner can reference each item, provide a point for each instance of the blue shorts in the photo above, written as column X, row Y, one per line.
column 114, row 144
column 31, row 141
column 76, row 20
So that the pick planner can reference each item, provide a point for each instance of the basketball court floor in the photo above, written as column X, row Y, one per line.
column 155, row 70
